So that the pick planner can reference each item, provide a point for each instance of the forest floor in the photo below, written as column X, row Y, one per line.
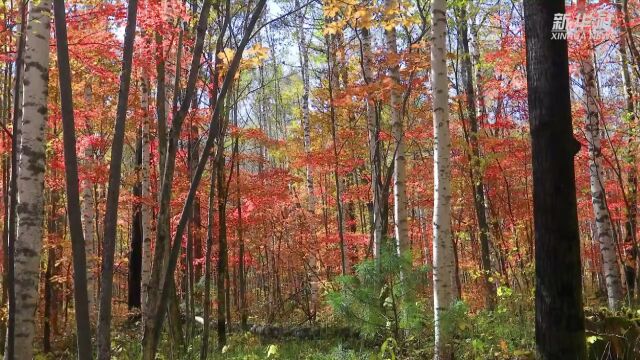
column 250, row 347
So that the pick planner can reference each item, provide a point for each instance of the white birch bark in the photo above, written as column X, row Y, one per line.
column 374, row 147
column 443, row 257
column 401, row 226
column 146, row 194
column 30, row 181
column 89, row 217
column 598, row 195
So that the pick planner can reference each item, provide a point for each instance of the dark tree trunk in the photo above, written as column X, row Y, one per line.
column 223, row 263
column 135, row 255
column 475, row 165
column 204, row 350
column 152, row 333
column 48, row 297
column 242, row 296
column 559, row 313
column 83, row 326
column 6, row 170
column 157, row 286
column 111, row 213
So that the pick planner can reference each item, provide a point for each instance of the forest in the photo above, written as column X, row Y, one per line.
column 319, row 179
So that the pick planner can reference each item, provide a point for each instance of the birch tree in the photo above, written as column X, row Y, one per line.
column 401, row 226
column 373, row 124
column 444, row 291
column 30, row 181
column 601, row 213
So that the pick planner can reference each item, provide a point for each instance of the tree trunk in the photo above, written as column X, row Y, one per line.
column 373, row 123
column 241, row 252
column 10, row 240
column 161, row 110
column 47, row 318
column 89, row 215
column 204, row 350
column 303, row 50
column 162, row 245
column 30, row 181
column 134, row 293
column 475, row 165
column 401, row 226
column 152, row 333
column 146, row 209
column 598, row 195
column 444, row 289
column 559, row 312
column 633, row 48
column 78, row 245
column 222, row 266
column 333, row 85
column 111, row 213
column 6, row 170
column 632, row 177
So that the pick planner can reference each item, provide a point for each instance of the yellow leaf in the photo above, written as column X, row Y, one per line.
column 226, row 55
column 331, row 10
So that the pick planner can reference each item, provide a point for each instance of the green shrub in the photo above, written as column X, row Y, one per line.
column 379, row 299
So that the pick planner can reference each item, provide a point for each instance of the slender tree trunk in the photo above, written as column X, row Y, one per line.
column 241, row 252
column 443, row 253
column 303, row 50
column 161, row 252
column 78, row 245
column 633, row 48
column 204, row 350
column 30, row 181
column 152, row 334
column 333, row 86
column 632, row 177
column 113, row 194
column 89, row 216
column 161, row 110
column 598, row 195
column 10, row 240
column 6, row 171
column 222, row 266
column 559, row 312
column 401, row 226
column 134, row 293
column 48, row 296
column 476, row 170
column 146, row 210
column 373, row 123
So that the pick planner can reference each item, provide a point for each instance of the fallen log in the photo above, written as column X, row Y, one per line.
column 272, row 332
